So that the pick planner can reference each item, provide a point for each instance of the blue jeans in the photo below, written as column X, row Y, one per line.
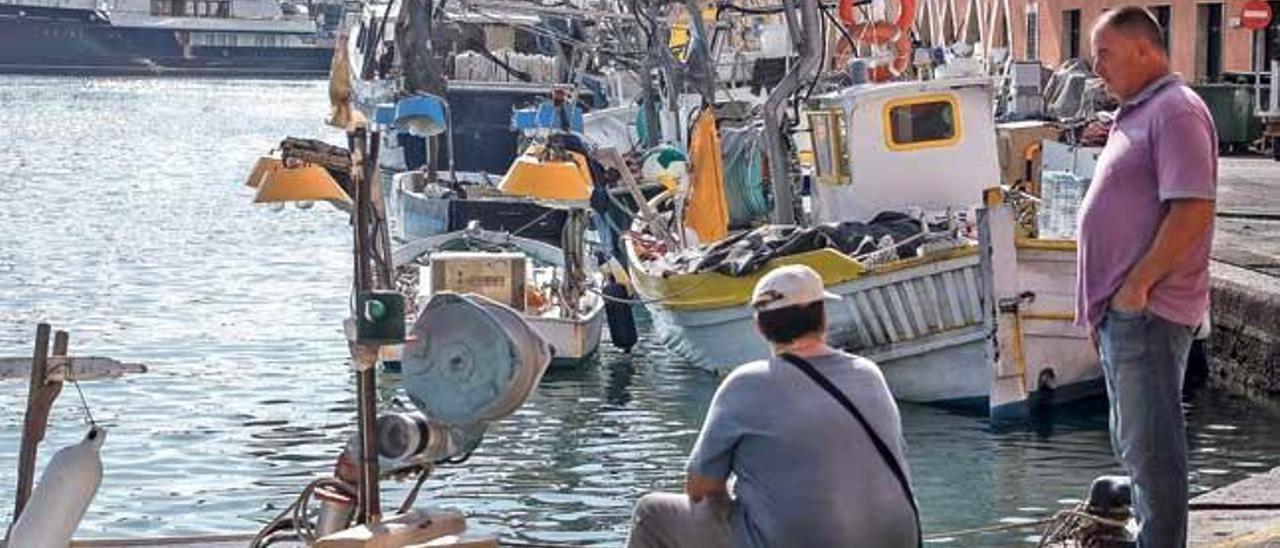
column 1144, row 358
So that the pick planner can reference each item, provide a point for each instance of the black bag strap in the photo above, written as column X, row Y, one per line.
column 885, row 453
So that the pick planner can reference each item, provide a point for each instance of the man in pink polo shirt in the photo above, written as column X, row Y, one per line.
column 1146, row 226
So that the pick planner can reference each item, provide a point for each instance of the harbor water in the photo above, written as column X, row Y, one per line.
column 124, row 219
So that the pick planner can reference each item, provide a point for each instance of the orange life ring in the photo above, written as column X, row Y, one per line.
column 896, row 34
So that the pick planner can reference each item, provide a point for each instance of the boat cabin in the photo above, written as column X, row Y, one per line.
column 928, row 145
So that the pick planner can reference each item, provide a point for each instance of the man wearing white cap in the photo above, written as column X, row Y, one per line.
column 811, row 438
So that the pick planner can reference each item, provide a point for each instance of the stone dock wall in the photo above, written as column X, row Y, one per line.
column 1244, row 344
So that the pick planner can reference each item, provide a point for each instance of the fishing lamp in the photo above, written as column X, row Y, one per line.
column 265, row 164
column 468, row 362
column 306, row 183
column 423, row 115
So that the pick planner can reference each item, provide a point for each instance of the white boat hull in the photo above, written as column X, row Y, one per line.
column 572, row 341
column 929, row 351
column 418, row 216
column 927, row 328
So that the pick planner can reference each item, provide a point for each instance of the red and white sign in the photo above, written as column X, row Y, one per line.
column 1255, row 15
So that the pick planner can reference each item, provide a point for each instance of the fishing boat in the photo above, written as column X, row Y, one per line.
column 476, row 62
column 555, row 291
column 550, row 172
column 938, row 281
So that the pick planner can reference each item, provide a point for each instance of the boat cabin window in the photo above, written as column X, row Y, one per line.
column 921, row 122
column 830, row 157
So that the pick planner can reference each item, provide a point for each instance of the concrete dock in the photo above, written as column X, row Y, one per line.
column 1245, row 514
column 1244, row 348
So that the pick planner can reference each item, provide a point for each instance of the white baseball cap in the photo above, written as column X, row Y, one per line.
column 791, row 285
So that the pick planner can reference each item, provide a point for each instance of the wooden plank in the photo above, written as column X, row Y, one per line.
column 971, row 289
column 937, row 341
column 209, row 541
column 913, row 302
column 935, row 303
column 956, row 285
column 83, row 368
column 610, row 158
column 882, row 312
column 953, row 298
column 900, row 312
column 864, row 336
column 869, row 314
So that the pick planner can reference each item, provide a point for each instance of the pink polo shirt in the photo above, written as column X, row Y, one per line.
column 1162, row 147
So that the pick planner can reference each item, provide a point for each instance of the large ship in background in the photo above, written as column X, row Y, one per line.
column 176, row 37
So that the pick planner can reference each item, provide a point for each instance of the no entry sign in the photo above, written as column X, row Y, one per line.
column 1255, row 15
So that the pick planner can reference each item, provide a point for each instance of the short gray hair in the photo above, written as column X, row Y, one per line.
column 1135, row 21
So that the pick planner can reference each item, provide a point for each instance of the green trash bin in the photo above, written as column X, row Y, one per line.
column 1232, row 108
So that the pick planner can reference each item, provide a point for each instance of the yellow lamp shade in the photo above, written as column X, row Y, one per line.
column 548, row 179
column 265, row 164
column 308, row 183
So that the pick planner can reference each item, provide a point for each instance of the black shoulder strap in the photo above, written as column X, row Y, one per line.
column 885, row 453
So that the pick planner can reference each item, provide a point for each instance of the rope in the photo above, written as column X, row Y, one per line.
column 70, row 372
column 535, row 221
column 295, row 515
column 1063, row 525
column 1076, row 524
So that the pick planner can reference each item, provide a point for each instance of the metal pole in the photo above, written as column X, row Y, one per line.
column 448, row 116
column 366, row 380
column 776, row 104
column 1257, row 74
column 700, row 58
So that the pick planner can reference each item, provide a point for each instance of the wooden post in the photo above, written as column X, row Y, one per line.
column 999, row 263
column 40, row 399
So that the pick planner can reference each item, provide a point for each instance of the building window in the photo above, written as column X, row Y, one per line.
column 1209, row 42
column 921, row 122
column 1070, row 34
column 1033, row 34
column 1162, row 14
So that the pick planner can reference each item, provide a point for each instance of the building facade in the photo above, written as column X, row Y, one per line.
column 1204, row 39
